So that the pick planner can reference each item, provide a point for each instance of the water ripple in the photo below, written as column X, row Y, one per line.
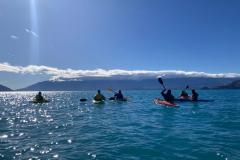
column 138, row 129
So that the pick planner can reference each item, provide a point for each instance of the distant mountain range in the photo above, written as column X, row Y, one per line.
column 233, row 85
column 133, row 84
column 4, row 88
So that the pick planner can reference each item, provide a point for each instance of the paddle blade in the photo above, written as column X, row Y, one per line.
column 83, row 100
column 160, row 81
column 110, row 89
column 187, row 87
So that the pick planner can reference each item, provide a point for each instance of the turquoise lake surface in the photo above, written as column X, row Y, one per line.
column 138, row 129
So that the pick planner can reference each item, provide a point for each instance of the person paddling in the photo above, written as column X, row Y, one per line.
column 119, row 96
column 168, row 96
column 184, row 95
column 99, row 96
column 39, row 97
column 194, row 95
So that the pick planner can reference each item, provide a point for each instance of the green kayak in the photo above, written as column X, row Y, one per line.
column 98, row 102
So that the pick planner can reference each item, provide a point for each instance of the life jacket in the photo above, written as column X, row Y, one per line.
column 99, row 97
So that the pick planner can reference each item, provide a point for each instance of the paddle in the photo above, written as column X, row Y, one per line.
column 111, row 90
column 161, row 82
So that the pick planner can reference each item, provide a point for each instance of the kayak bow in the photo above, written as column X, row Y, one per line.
column 158, row 101
column 98, row 102
column 40, row 102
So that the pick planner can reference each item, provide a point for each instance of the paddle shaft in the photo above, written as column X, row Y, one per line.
column 110, row 89
column 161, row 82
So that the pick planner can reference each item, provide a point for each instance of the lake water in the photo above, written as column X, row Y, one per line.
column 138, row 129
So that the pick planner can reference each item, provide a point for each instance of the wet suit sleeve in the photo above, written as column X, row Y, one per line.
column 103, row 97
column 163, row 94
column 197, row 95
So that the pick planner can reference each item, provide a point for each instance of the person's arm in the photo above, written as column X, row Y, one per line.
column 163, row 92
column 96, row 97
column 122, row 96
column 180, row 96
column 102, row 97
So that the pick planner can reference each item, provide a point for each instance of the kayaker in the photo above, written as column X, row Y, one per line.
column 119, row 96
column 168, row 96
column 184, row 95
column 194, row 95
column 39, row 97
column 99, row 96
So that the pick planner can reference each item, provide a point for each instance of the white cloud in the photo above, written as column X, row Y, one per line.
column 14, row 37
column 59, row 74
column 31, row 32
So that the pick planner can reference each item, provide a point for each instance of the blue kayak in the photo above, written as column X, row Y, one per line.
column 189, row 100
column 117, row 100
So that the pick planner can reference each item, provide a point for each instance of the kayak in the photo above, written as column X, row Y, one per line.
column 189, row 100
column 158, row 101
column 118, row 100
column 111, row 99
column 98, row 102
column 40, row 102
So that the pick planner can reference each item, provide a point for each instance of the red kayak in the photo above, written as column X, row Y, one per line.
column 158, row 101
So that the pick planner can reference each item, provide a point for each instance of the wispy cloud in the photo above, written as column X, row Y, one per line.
column 58, row 74
column 31, row 32
column 14, row 37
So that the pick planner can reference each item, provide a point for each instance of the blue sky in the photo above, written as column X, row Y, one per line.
column 185, row 35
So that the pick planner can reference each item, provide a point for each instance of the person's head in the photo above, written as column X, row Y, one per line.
column 169, row 91
column 120, row 92
column 193, row 91
column 99, row 91
column 183, row 92
column 39, row 93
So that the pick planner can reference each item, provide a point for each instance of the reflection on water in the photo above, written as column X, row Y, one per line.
column 65, row 128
